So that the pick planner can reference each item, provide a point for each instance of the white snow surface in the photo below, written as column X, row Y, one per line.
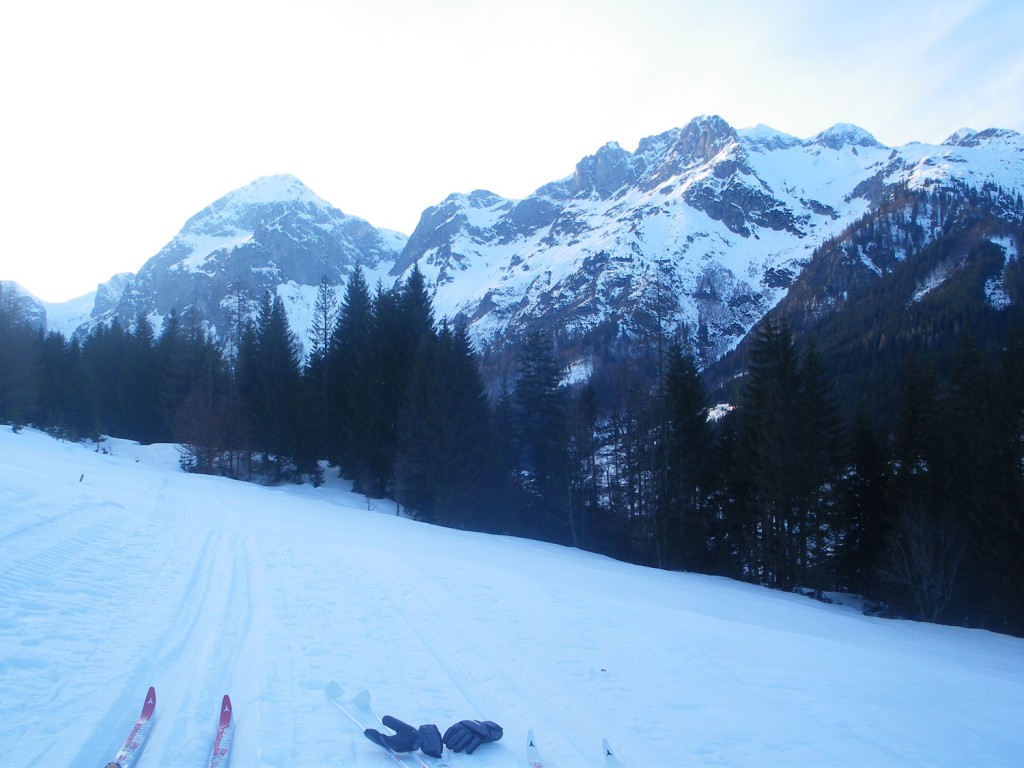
column 64, row 317
column 121, row 572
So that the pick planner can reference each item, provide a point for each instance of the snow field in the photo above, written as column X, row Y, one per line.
column 120, row 572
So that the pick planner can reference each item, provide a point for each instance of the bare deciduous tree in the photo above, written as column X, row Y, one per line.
column 923, row 556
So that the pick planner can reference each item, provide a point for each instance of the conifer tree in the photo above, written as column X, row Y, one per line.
column 447, row 459
column 1001, row 537
column 56, row 372
column 204, row 418
column 688, row 446
column 865, row 509
column 819, row 456
column 103, row 357
column 171, row 356
column 540, row 411
column 769, row 445
column 268, row 369
column 925, row 548
column 19, row 360
column 138, row 413
column 318, row 370
column 350, row 371
column 584, row 473
column 389, row 364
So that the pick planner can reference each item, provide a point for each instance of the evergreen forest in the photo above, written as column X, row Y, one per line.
column 918, row 508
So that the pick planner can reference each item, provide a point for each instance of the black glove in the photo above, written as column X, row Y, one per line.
column 469, row 734
column 407, row 738
column 430, row 740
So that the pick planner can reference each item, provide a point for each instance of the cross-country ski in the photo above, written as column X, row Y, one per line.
column 221, row 753
column 132, row 748
column 532, row 753
column 610, row 760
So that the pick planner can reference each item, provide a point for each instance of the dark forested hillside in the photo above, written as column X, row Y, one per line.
column 928, row 267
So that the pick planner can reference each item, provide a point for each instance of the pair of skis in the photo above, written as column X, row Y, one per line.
column 132, row 748
column 534, row 759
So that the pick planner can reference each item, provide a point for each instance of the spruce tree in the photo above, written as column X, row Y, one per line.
column 447, row 459
column 688, row 447
column 865, row 511
column 139, row 414
column 269, row 383
column 318, row 371
column 769, row 446
column 351, row 373
column 540, row 411
column 819, row 456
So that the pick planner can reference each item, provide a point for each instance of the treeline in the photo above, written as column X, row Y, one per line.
column 385, row 393
column 921, row 514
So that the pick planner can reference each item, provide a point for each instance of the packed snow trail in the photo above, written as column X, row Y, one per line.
column 121, row 572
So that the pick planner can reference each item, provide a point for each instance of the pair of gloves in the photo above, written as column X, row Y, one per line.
column 464, row 736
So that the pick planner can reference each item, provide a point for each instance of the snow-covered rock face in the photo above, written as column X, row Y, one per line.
column 273, row 235
column 702, row 225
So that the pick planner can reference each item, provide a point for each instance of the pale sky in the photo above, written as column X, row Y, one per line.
column 120, row 119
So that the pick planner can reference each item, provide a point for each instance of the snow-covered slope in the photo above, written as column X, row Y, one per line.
column 68, row 316
column 121, row 572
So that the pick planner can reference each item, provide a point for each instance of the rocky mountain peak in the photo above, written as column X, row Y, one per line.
column 703, row 138
column 602, row 174
column 264, row 200
column 965, row 137
column 843, row 135
column 960, row 137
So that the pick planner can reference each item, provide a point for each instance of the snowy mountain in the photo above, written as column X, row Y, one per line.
column 122, row 572
column 272, row 235
column 703, row 228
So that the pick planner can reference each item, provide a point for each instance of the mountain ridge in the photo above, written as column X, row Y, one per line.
column 700, row 231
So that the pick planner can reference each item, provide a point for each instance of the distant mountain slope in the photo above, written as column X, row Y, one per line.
column 17, row 302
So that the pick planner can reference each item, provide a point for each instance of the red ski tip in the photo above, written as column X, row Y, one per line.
column 225, row 711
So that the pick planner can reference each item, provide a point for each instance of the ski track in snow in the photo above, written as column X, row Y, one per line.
column 120, row 572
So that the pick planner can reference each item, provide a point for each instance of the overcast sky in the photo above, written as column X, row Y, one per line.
column 119, row 120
